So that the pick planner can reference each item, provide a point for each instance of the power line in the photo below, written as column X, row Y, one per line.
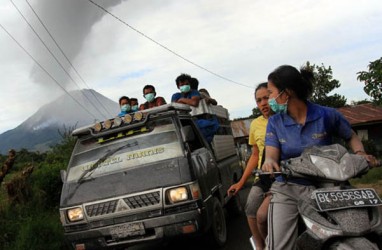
column 168, row 49
column 63, row 68
column 63, row 53
column 14, row 39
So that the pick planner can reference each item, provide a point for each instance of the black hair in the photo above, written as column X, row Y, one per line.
column 148, row 86
column 123, row 98
column 194, row 83
column 182, row 78
column 204, row 91
column 134, row 99
column 261, row 85
column 288, row 77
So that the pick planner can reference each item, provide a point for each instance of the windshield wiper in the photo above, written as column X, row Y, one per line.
column 102, row 159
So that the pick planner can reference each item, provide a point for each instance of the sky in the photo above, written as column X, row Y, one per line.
column 229, row 46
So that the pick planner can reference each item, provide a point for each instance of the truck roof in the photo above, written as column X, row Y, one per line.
column 129, row 119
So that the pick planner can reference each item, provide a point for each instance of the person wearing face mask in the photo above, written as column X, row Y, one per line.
column 256, row 208
column 134, row 104
column 186, row 95
column 124, row 104
column 151, row 100
column 297, row 124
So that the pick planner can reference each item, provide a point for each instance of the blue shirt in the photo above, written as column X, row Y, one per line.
column 188, row 95
column 122, row 113
column 322, row 123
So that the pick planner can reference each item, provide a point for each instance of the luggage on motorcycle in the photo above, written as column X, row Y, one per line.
column 331, row 162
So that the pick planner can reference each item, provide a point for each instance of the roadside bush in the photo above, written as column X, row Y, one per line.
column 47, row 183
column 42, row 231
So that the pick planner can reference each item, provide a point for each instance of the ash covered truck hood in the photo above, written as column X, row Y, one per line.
column 150, row 176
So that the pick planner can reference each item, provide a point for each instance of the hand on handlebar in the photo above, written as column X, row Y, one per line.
column 234, row 189
column 373, row 162
column 270, row 166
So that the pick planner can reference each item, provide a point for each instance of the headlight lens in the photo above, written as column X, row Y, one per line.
column 98, row 127
column 177, row 194
column 117, row 121
column 75, row 214
column 127, row 118
column 107, row 124
column 138, row 116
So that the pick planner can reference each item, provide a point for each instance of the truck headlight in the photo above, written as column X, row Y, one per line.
column 75, row 214
column 177, row 194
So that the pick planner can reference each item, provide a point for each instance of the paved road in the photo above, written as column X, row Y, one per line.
column 237, row 238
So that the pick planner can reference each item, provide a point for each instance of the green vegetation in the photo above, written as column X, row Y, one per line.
column 373, row 80
column 29, row 203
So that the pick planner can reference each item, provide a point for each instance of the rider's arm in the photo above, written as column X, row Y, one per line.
column 251, row 165
column 356, row 145
column 193, row 101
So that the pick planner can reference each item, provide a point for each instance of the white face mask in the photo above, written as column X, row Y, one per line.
column 276, row 107
column 150, row 97
column 125, row 108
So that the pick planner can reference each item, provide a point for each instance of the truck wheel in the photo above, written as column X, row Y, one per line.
column 218, row 230
column 234, row 206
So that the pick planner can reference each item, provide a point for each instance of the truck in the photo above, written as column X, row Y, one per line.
column 150, row 175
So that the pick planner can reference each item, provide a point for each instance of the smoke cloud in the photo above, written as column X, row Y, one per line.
column 69, row 22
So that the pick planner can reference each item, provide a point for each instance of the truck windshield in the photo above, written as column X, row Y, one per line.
column 130, row 149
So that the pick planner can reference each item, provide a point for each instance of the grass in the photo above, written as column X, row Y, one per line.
column 373, row 179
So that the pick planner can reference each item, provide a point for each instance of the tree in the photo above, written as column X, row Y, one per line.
column 323, row 84
column 373, row 80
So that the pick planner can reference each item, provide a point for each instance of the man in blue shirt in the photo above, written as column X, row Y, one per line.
column 186, row 95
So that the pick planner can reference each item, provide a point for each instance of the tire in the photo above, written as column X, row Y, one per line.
column 218, row 230
column 234, row 207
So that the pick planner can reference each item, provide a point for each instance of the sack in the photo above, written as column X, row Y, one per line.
column 332, row 162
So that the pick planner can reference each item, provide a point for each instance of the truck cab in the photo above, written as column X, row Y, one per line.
column 150, row 175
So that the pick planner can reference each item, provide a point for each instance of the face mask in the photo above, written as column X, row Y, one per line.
column 278, row 108
column 125, row 108
column 134, row 108
column 185, row 88
column 150, row 97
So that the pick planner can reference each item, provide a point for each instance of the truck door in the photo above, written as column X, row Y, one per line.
column 203, row 162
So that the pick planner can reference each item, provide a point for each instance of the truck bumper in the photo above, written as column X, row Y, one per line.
column 165, row 226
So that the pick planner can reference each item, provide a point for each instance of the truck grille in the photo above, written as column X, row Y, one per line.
column 143, row 200
column 101, row 208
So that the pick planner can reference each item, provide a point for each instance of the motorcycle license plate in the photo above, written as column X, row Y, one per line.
column 339, row 199
column 126, row 230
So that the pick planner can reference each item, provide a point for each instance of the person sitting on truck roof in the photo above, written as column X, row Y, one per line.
column 150, row 95
column 124, row 104
column 206, row 96
column 194, row 83
column 134, row 104
column 186, row 95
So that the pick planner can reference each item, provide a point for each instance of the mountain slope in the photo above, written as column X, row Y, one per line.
column 42, row 129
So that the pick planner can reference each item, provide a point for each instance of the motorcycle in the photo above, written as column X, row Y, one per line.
column 335, row 215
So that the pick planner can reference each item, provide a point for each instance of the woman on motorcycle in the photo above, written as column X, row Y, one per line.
column 257, row 197
column 298, row 124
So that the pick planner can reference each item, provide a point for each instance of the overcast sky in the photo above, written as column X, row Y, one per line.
column 241, row 40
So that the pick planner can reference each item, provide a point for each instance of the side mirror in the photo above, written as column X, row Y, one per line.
column 63, row 175
column 187, row 133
